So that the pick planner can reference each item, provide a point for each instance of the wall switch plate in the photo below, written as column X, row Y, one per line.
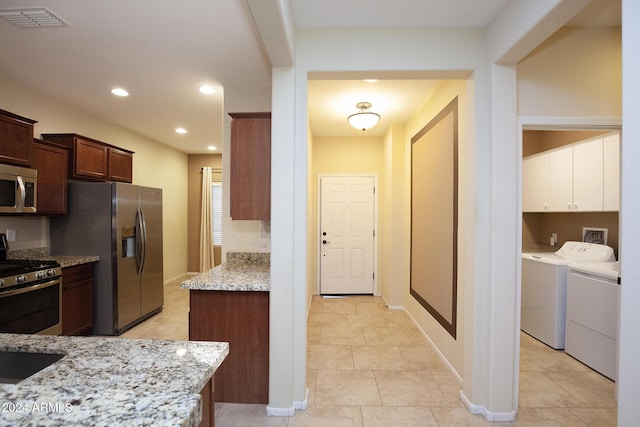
column 11, row 235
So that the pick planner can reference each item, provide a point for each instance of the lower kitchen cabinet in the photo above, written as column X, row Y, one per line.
column 208, row 405
column 240, row 318
column 77, row 299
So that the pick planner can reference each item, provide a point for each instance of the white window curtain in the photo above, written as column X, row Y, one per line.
column 206, row 245
column 216, row 213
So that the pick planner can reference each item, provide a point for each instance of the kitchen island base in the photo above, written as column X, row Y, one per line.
column 240, row 318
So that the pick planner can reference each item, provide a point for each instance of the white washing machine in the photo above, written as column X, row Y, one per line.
column 593, row 299
column 544, row 288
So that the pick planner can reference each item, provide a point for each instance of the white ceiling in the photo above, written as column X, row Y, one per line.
column 162, row 51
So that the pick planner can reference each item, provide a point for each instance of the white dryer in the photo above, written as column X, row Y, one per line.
column 544, row 288
column 593, row 298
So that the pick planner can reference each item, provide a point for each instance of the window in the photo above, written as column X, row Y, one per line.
column 216, row 213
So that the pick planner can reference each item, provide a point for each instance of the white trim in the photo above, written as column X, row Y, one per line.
column 435, row 348
column 568, row 123
column 488, row 415
column 375, row 225
column 280, row 412
column 289, row 412
column 302, row 406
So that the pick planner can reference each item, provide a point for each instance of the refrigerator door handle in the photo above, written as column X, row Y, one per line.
column 141, row 240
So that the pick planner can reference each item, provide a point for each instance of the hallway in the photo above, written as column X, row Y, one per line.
column 368, row 366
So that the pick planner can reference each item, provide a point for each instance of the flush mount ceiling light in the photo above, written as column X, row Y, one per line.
column 119, row 92
column 207, row 90
column 181, row 130
column 211, row 148
column 363, row 119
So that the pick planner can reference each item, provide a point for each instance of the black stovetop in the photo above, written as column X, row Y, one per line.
column 13, row 267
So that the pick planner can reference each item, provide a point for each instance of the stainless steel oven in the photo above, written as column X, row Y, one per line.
column 30, row 297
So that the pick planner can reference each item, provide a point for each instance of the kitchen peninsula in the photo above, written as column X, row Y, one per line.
column 108, row 381
column 230, row 303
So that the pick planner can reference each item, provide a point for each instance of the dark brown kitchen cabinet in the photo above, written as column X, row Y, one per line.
column 16, row 136
column 250, row 174
column 120, row 165
column 240, row 318
column 208, row 405
column 77, row 299
column 51, row 160
column 95, row 160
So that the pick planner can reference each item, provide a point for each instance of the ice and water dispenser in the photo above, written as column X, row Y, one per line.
column 128, row 242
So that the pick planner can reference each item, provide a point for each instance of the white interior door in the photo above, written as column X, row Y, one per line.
column 347, row 235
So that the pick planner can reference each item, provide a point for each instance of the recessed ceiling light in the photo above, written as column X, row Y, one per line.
column 119, row 92
column 211, row 148
column 371, row 80
column 206, row 89
column 181, row 130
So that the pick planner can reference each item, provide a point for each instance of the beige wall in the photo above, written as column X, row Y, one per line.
column 196, row 163
column 154, row 165
column 576, row 72
column 451, row 349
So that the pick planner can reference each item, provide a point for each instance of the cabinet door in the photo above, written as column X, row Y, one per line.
column 16, row 136
column 250, row 174
column 90, row 160
column 535, row 183
column 51, row 163
column 588, row 176
column 120, row 165
column 611, row 172
column 561, row 180
column 77, row 299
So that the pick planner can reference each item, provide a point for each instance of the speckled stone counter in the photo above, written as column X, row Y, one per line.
column 241, row 272
column 43, row 255
column 106, row 381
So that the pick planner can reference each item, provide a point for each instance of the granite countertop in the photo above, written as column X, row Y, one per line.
column 241, row 272
column 105, row 381
column 43, row 254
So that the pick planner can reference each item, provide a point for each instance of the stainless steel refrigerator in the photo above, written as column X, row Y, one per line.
column 122, row 224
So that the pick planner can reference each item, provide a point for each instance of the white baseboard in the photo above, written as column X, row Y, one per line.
column 290, row 412
column 280, row 412
column 488, row 415
column 302, row 406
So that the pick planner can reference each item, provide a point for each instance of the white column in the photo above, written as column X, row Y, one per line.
column 628, row 368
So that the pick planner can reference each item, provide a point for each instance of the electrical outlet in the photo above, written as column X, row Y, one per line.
column 11, row 235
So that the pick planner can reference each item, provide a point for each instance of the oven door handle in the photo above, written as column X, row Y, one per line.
column 30, row 288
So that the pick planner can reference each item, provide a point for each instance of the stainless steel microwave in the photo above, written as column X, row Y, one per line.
column 17, row 189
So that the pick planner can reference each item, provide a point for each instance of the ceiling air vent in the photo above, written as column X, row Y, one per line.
column 36, row 17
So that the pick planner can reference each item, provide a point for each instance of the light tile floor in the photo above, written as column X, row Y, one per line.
column 370, row 367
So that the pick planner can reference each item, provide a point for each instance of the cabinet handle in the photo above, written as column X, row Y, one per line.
column 569, row 206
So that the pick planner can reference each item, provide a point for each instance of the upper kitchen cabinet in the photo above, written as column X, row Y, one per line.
column 580, row 177
column 94, row 160
column 16, row 139
column 51, row 160
column 250, row 175
column 535, row 183
column 120, row 164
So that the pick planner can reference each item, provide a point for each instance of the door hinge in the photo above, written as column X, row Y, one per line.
column 374, row 276
column 374, row 190
column 374, row 233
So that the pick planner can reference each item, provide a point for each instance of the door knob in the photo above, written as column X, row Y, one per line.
column 324, row 242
